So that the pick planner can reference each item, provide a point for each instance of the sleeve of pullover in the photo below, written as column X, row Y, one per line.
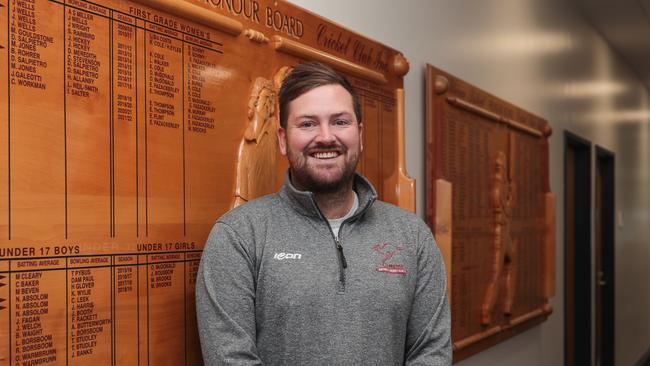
column 428, row 338
column 225, row 300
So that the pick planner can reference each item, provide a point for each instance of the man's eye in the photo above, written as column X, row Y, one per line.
column 306, row 124
column 341, row 122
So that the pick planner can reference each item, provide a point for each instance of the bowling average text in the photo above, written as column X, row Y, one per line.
column 8, row 252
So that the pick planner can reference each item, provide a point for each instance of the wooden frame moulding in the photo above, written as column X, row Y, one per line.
column 197, row 14
column 294, row 48
column 493, row 116
column 549, row 240
column 400, row 185
column 443, row 226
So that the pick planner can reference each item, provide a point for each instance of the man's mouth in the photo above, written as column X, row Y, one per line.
column 325, row 154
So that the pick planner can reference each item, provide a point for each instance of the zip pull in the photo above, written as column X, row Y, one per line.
column 340, row 248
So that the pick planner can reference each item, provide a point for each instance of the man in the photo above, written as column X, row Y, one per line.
column 321, row 273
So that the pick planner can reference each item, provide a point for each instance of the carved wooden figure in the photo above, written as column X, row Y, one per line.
column 504, row 251
column 257, row 160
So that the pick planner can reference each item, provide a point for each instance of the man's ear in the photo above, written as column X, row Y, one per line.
column 282, row 140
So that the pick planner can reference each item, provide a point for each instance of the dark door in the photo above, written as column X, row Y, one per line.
column 604, row 255
column 577, row 252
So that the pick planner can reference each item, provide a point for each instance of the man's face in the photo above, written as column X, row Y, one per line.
column 322, row 139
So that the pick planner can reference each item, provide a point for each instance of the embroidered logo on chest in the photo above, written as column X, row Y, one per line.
column 390, row 258
column 281, row 256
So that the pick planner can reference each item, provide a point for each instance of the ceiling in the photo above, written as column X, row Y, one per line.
column 625, row 24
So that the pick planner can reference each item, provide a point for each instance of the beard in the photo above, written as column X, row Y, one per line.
column 310, row 174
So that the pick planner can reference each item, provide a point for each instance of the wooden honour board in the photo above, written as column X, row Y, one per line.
column 126, row 129
column 491, row 210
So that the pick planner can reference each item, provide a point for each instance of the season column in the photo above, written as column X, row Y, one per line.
column 192, row 343
column 126, row 298
column 124, row 59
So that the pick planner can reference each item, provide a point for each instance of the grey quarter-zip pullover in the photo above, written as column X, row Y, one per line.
column 276, row 287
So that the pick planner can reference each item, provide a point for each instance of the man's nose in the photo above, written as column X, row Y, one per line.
column 325, row 133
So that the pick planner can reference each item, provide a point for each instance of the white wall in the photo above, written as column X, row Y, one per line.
column 543, row 56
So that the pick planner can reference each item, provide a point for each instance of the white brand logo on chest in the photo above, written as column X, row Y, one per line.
column 281, row 256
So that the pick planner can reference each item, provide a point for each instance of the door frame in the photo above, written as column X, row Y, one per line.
column 604, row 269
column 577, row 253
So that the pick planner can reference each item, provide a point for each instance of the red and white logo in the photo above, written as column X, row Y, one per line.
column 388, row 251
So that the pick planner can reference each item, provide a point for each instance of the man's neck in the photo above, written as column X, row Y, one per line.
column 334, row 205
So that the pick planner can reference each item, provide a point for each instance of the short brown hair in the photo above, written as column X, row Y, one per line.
column 307, row 76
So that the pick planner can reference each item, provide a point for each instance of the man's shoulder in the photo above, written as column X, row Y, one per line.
column 393, row 213
column 254, row 210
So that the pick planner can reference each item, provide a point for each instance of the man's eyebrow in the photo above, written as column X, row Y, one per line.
column 341, row 114
column 315, row 116
column 310, row 116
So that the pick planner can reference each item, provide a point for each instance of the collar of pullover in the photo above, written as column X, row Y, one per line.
column 305, row 203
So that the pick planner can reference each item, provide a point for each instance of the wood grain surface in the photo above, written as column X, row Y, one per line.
column 126, row 129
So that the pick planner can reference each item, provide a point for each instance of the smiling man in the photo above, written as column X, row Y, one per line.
column 321, row 272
